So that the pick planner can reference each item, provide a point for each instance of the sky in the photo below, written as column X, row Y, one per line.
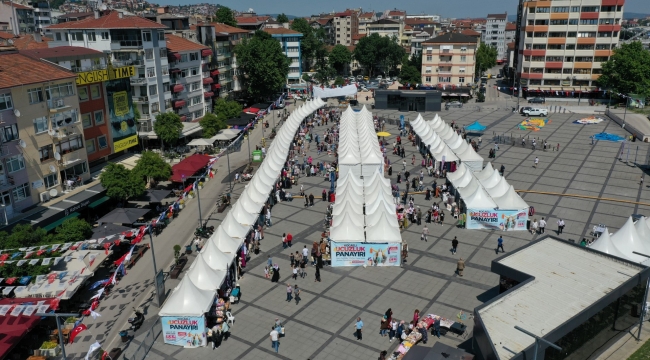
column 453, row 8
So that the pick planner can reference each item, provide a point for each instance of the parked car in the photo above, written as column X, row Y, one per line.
column 524, row 108
column 379, row 78
column 536, row 112
column 366, row 78
column 453, row 104
column 537, row 100
column 362, row 88
column 359, row 77
column 499, row 76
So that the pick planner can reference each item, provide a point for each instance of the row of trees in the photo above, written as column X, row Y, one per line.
column 628, row 70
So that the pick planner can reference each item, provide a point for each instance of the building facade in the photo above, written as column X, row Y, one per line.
column 325, row 23
column 346, row 24
column 386, row 27
column 290, row 42
column 494, row 33
column 449, row 60
column 364, row 20
column 42, row 15
column 191, row 83
column 42, row 137
column 19, row 17
column 560, row 49
column 131, row 41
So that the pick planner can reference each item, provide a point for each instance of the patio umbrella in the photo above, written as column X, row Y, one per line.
column 108, row 229
column 155, row 196
column 123, row 216
column 383, row 133
column 251, row 110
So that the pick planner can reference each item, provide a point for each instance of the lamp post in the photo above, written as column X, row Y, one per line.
column 537, row 340
column 228, row 158
column 627, row 100
column 155, row 268
column 579, row 91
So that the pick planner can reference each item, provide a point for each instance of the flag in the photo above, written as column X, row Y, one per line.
column 106, row 247
column 51, row 277
column 122, row 269
column 114, row 279
column 93, row 347
column 95, row 315
column 96, row 284
column 62, row 274
column 76, row 331
column 128, row 256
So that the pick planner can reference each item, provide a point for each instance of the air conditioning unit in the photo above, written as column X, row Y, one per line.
column 45, row 196
column 59, row 103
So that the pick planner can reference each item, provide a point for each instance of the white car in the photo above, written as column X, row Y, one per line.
column 359, row 77
column 379, row 78
column 536, row 112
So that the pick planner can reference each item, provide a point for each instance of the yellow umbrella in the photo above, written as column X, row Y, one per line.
column 383, row 133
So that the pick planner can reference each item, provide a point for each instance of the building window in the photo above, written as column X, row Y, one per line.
column 91, row 36
column 101, row 141
column 463, row 58
column 21, row 192
column 99, row 117
column 183, row 58
column 64, row 118
column 105, row 35
column 57, row 36
column 153, row 89
column 83, row 93
column 90, row 146
column 155, row 107
column 35, row 95
column 161, row 35
column 51, row 180
column 146, row 35
column 194, row 71
column 95, row 93
column 77, row 36
column 148, row 54
column 165, row 70
column 5, row 102
column 194, row 56
column 15, row 163
column 56, row 91
column 70, row 144
column 40, row 125
column 151, row 72
column 195, row 100
column 195, row 86
column 10, row 132
column 197, row 114
column 46, row 153
column 461, row 79
column 427, row 79
column 86, row 121
column 429, row 58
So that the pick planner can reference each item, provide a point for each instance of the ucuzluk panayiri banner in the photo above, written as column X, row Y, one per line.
column 503, row 220
column 368, row 254
column 186, row 331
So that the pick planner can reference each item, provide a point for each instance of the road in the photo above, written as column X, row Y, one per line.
column 135, row 289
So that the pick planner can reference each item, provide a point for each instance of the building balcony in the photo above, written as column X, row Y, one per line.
column 138, row 81
column 57, row 104
column 140, row 99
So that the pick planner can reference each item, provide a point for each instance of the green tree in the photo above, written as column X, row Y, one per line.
column 378, row 52
column 212, row 124
column 73, row 230
column 264, row 64
column 627, row 70
column 339, row 81
column 282, row 18
column 340, row 57
column 409, row 74
column 305, row 77
column 24, row 235
column 486, row 58
column 310, row 42
column 121, row 183
column 226, row 16
column 227, row 109
column 416, row 61
column 168, row 127
column 151, row 166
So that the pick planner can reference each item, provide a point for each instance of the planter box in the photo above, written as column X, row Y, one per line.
column 51, row 352
column 176, row 270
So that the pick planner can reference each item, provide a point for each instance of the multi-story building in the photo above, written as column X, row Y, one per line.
column 75, row 16
column 290, row 41
column 42, row 138
column 175, row 24
column 325, row 23
column 345, row 24
column 495, row 33
column 365, row 19
column 449, row 60
column 130, row 40
column 96, row 81
column 386, row 27
column 42, row 15
column 222, row 40
column 433, row 18
column 191, row 83
column 251, row 21
column 561, row 47
column 416, row 42
column 511, row 31
column 20, row 17
column 396, row 15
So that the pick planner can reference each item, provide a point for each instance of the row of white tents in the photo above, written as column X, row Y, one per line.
column 195, row 293
column 445, row 144
column 485, row 189
column 362, row 186
column 631, row 237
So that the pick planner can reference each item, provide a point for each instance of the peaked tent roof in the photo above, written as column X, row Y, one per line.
column 456, row 175
column 225, row 242
column 511, row 200
column 475, row 127
column 485, row 173
column 500, row 189
column 214, row 257
column 233, row 227
column 479, row 200
column 205, row 277
column 385, row 230
column 347, row 230
column 627, row 240
column 492, row 180
column 242, row 216
column 187, row 300
column 604, row 244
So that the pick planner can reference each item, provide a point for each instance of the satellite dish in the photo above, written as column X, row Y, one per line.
column 17, row 112
column 11, row 42
column 52, row 168
column 54, row 193
column 22, row 143
column 57, row 156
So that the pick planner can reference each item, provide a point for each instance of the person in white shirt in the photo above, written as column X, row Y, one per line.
column 560, row 226
column 274, row 335
column 305, row 252
column 533, row 227
column 236, row 177
column 542, row 225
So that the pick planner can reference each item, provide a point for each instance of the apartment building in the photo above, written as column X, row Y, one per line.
column 395, row 15
column 222, row 40
column 20, row 18
column 191, row 83
column 325, row 23
column 130, row 41
column 561, row 46
column 42, row 15
column 96, row 82
column 511, row 31
column 251, row 21
column 42, row 134
column 365, row 19
column 449, row 60
column 386, row 27
column 174, row 24
column 494, row 33
column 290, row 42
column 346, row 24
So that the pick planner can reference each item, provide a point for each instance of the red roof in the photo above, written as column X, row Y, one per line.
column 322, row 21
column 344, row 13
column 251, row 19
column 408, row 27
column 189, row 166
column 12, row 71
column 110, row 21
column 358, row 36
column 178, row 44
column 417, row 21
column 48, row 53
column 18, row 6
column 6, row 35
column 223, row 28
column 397, row 12
column 511, row 27
column 14, row 328
column 366, row 15
column 281, row 31
column 27, row 42
column 470, row 32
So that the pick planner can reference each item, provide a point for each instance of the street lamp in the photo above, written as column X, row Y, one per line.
column 579, row 92
column 159, row 286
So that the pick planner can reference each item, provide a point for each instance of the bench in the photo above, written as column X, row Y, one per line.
column 221, row 208
column 178, row 267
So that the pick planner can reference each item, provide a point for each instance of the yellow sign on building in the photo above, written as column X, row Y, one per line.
column 110, row 73
column 125, row 143
column 121, row 103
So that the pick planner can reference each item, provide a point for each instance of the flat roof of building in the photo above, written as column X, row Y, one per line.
column 567, row 280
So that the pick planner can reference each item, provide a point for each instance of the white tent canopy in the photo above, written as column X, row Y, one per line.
column 346, row 230
column 215, row 257
column 242, row 216
column 225, row 242
column 485, row 173
column 479, row 200
column 386, row 229
column 492, row 180
column 233, row 227
column 187, row 300
column 511, row 200
column 499, row 189
column 469, row 189
column 350, row 214
column 335, row 92
column 458, row 174
column 203, row 276
column 604, row 244
column 201, row 142
column 628, row 240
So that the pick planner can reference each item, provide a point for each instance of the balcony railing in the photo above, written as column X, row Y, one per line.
column 78, row 69
column 140, row 99
column 56, row 104
column 127, row 43
column 137, row 81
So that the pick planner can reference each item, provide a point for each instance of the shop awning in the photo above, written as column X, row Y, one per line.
column 189, row 166
column 183, row 118
column 60, row 221
column 14, row 328
column 174, row 56
column 96, row 203
column 216, row 86
column 179, row 103
column 208, row 81
column 208, row 94
column 214, row 72
column 206, row 52
column 251, row 110
column 177, row 88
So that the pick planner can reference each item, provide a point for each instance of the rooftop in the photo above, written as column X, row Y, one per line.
column 12, row 71
column 470, row 32
column 511, row 27
column 451, row 38
column 281, row 31
column 384, row 21
column 6, row 35
column 344, row 13
column 76, row 15
column 323, row 21
column 61, row 51
column 251, row 19
column 366, row 15
column 113, row 20
column 577, row 276
column 498, row 16
column 18, row 6
column 358, row 36
column 178, row 44
column 397, row 12
column 28, row 42
column 227, row 29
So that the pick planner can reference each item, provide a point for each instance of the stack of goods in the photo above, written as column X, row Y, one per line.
column 415, row 336
column 219, row 309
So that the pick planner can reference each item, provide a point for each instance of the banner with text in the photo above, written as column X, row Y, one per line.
column 186, row 331
column 504, row 220
column 368, row 254
column 121, row 115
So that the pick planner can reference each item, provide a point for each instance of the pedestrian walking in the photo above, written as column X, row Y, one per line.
column 560, row 226
column 317, row 274
column 542, row 225
column 533, row 227
column 236, row 177
column 303, row 264
column 536, row 161
column 269, row 261
column 289, row 292
column 358, row 326
column 311, row 199
column 403, row 164
column 436, row 328
column 454, row 245
column 500, row 244
column 425, row 232
column 295, row 271
column 460, row 266
column 296, row 294
column 274, row 335
column 502, row 170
